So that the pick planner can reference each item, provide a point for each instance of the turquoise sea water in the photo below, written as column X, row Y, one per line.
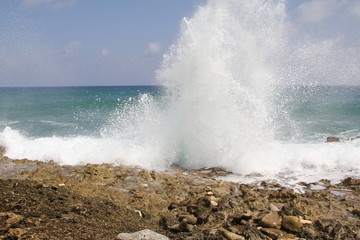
column 64, row 111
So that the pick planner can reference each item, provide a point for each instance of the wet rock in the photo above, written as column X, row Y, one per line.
column 350, row 181
column 271, row 220
column 272, row 232
column 141, row 235
column 332, row 139
column 229, row 235
column 291, row 223
column 354, row 138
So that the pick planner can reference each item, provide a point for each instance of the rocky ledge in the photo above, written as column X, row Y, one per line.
column 48, row 201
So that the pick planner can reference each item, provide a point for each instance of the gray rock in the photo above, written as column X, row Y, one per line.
column 141, row 235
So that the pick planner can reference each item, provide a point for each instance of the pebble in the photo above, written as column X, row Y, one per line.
column 189, row 218
column 292, row 223
column 271, row 220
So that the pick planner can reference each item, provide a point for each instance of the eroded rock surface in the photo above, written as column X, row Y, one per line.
column 48, row 201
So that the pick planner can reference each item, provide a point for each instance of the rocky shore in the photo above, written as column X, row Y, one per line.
column 47, row 201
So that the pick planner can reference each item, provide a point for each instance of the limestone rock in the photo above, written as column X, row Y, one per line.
column 271, row 220
column 141, row 235
column 292, row 223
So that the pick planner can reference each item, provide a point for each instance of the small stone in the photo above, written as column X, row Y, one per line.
column 274, row 208
column 271, row 220
column 303, row 221
column 272, row 232
column 209, row 193
column 214, row 204
column 141, row 235
column 229, row 235
column 61, row 184
column 189, row 218
column 291, row 223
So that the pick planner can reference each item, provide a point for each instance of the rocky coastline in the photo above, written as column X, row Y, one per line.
column 41, row 200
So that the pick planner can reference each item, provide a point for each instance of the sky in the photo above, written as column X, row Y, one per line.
column 121, row 42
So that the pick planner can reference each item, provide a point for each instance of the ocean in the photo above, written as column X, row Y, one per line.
column 235, row 91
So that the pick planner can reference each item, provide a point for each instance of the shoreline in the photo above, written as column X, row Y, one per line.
column 44, row 200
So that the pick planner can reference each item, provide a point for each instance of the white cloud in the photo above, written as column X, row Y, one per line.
column 72, row 47
column 104, row 52
column 318, row 10
column 32, row 3
column 154, row 48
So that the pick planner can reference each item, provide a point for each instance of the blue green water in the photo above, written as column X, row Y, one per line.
column 64, row 111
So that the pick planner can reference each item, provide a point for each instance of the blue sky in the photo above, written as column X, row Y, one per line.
column 121, row 42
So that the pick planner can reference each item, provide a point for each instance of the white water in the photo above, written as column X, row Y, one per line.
column 218, row 110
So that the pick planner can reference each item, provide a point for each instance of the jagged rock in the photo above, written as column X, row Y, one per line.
column 229, row 235
column 291, row 223
column 272, row 232
column 332, row 139
column 271, row 220
column 350, row 181
column 141, row 235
